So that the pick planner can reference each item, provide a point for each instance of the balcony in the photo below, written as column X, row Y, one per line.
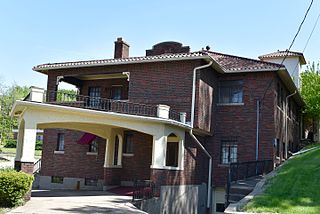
column 116, row 106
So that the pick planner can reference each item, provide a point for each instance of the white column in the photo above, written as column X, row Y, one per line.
column 27, row 141
column 158, row 151
column 107, row 151
column 20, row 141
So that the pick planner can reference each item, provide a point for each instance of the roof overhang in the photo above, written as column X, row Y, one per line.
column 287, row 81
column 99, row 63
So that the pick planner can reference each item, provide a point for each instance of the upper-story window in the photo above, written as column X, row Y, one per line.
column 116, row 92
column 94, row 96
column 231, row 92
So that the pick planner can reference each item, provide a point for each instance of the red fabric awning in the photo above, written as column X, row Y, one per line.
column 87, row 138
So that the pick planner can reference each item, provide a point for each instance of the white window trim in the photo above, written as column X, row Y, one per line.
column 58, row 152
column 230, row 104
column 92, row 153
column 127, row 154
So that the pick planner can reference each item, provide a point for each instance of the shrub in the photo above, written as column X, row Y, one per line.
column 13, row 187
column 11, row 144
column 38, row 145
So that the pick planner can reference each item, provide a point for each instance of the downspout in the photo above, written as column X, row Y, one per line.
column 257, row 131
column 191, row 130
column 286, row 122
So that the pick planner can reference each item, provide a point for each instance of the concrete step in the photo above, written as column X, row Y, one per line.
column 236, row 197
column 240, row 190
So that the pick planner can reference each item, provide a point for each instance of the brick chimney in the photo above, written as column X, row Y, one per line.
column 121, row 49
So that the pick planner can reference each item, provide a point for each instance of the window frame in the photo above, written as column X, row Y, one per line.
column 231, row 144
column 94, row 94
column 119, row 89
column 60, row 141
column 93, row 147
column 128, row 145
column 57, row 179
column 230, row 87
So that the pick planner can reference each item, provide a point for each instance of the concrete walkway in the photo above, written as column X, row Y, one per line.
column 45, row 201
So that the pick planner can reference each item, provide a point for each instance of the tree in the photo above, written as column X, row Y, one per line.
column 310, row 90
column 8, row 95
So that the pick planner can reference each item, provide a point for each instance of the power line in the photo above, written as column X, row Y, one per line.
column 287, row 51
column 314, row 27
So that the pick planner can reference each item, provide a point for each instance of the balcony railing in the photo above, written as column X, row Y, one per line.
column 107, row 105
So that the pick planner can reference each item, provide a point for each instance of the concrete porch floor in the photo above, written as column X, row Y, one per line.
column 63, row 201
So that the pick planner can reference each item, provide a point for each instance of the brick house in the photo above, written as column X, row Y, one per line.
column 175, row 117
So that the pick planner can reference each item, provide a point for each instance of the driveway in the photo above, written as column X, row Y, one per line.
column 62, row 201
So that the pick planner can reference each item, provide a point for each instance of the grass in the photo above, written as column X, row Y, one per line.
column 311, row 146
column 12, row 152
column 295, row 189
column 1, row 211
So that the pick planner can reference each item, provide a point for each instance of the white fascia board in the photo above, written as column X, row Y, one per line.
column 121, row 63
column 73, row 110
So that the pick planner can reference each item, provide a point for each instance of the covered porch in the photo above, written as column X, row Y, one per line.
column 131, row 147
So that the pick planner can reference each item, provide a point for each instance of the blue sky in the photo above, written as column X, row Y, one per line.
column 41, row 31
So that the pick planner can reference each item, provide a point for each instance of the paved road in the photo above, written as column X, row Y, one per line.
column 43, row 201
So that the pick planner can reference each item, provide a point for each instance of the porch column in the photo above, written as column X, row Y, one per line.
column 158, row 151
column 24, row 160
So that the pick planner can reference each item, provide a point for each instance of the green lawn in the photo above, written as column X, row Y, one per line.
column 295, row 189
column 12, row 152
column 311, row 146
column 1, row 211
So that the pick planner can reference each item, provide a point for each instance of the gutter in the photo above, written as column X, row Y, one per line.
column 194, row 137
column 286, row 122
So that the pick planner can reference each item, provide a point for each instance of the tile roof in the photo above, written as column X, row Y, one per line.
column 179, row 56
column 287, row 53
column 232, row 63
column 228, row 63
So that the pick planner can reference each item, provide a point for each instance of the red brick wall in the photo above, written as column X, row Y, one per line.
column 171, row 83
column 106, row 86
column 74, row 162
column 195, row 167
column 167, row 83
column 138, row 166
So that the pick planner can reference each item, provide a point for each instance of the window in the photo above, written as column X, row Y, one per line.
column 116, row 151
column 90, row 182
column 93, row 147
column 94, row 96
column 231, row 92
column 128, row 143
column 116, row 92
column 40, row 137
column 229, row 150
column 57, row 179
column 172, row 151
column 220, row 207
column 60, row 142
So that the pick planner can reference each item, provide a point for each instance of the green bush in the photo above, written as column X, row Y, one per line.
column 11, row 144
column 38, row 145
column 13, row 187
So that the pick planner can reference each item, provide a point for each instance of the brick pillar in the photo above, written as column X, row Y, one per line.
column 112, row 176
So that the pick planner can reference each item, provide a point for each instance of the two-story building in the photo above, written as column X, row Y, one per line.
column 175, row 117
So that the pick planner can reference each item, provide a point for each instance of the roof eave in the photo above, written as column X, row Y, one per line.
column 46, row 69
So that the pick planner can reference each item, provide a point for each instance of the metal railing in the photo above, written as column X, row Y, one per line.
column 143, row 189
column 37, row 166
column 243, row 170
column 108, row 105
